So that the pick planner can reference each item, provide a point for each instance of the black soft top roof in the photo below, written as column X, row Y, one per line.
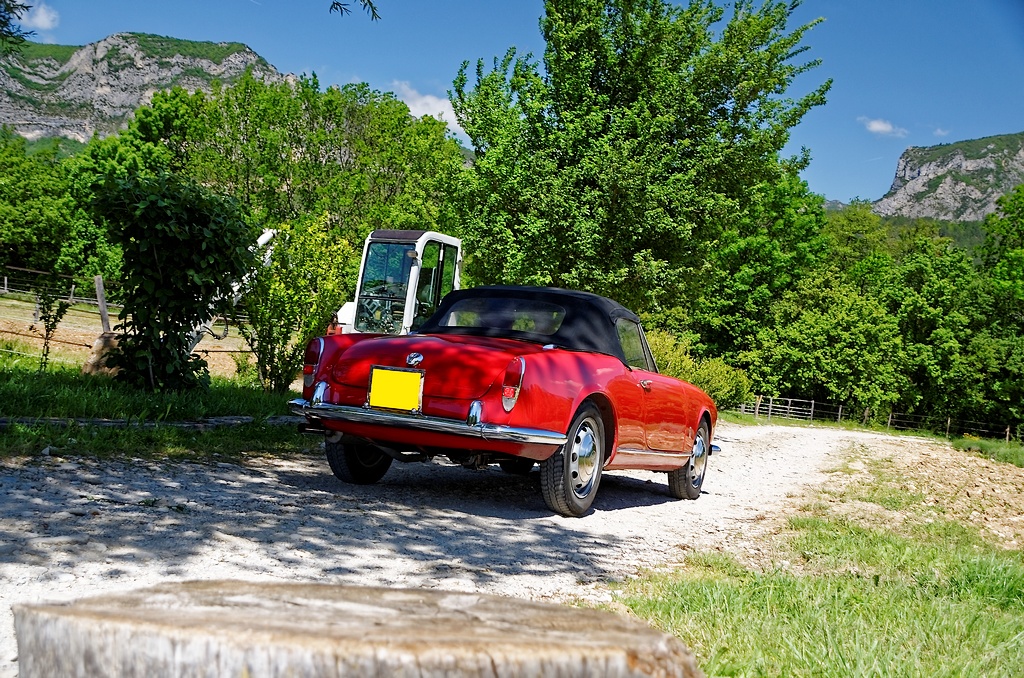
column 588, row 325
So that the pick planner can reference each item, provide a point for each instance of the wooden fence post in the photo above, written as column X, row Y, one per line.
column 1007, row 434
column 71, row 297
column 771, row 402
column 101, row 299
column 812, row 412
column 889, row 423
column 949, row 420
column 840, row 417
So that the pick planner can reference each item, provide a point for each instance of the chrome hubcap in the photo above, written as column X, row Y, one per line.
column 584, row 456
column 698, row 461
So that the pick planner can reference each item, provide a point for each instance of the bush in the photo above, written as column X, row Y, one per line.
column 727, row 386
column 185, row 249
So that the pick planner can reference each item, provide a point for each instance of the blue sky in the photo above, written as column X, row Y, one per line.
column 906, row 72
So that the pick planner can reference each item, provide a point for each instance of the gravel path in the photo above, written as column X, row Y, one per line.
column 72, row 527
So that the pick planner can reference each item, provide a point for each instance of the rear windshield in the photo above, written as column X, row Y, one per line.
column 520, row 315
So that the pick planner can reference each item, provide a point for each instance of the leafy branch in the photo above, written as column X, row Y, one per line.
column 343, row 8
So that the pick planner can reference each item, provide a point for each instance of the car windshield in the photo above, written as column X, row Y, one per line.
column 505, row 313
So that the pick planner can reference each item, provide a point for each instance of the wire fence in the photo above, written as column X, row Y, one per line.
column 26, row 283
column 83, row 321
column 816, row 410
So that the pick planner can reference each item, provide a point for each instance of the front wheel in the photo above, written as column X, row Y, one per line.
column 685, row 482
column 357, row 464
column 569, row 478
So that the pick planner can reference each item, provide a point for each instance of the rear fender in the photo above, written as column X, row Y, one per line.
column 334, row 346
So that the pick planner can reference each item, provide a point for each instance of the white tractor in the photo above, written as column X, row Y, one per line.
column 402, row 278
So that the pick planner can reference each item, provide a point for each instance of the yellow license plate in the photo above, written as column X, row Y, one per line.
column 396, row 389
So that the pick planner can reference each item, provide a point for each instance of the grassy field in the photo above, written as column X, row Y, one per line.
column 1010, row 452
column 869, row 579
column 62, row 392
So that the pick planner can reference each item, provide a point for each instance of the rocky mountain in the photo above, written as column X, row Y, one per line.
column 955, row 182
column 60, row 90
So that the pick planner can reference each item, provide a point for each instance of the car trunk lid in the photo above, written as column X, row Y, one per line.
column 455, row 366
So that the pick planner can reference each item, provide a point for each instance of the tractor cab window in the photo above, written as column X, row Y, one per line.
column 383, row 288
column 437, row 278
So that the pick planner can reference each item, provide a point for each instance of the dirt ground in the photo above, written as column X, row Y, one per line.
column 951, row 483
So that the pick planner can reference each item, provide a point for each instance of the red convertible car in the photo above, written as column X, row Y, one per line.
column 514, row 376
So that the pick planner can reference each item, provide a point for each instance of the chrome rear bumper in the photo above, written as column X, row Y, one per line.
column 477, row 429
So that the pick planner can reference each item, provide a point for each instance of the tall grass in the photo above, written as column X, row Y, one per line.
column 779, row 623
column 851, row 595
column 62, row 392
column 1010, row 452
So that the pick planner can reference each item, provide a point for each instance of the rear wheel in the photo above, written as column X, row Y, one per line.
column 357, row 464
column 685, row 482
column 517, row 466
column 569, row 478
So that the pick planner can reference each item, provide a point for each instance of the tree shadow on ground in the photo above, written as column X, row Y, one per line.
column 291, row 518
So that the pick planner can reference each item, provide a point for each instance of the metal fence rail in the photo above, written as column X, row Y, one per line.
column 812, row 410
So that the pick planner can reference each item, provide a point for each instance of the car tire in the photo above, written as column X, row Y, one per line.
column 357, row 464
column 518, row 466
column 570, row 477
column 685, row 482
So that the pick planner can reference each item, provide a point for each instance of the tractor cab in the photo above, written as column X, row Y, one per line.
column 402, row 278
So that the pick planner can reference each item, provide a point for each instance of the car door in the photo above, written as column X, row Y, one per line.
column 663, row 426
column 629, row 398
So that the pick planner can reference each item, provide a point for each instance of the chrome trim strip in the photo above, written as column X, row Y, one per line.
column 649, row 453
column 363, row 415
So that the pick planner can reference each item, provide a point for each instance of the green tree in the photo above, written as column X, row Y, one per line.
column 291, row 298
column 12, row 36
column 1003, row 254
column 940, row 304
column 615, row 166
column 827, row 341
column 37, row 212
column 185, row 248
column 756, row 260
column 854, row 233
column 348, row 159
column 91, row 249
column 286, row 151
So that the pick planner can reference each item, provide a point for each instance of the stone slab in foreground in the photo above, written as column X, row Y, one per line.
column 231, row 628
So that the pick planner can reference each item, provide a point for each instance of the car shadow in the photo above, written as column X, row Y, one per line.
column 621, row 491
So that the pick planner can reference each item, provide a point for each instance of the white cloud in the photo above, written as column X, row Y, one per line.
column 882, row 128
column 427, row 104
column 41, row 17
column 939, row 132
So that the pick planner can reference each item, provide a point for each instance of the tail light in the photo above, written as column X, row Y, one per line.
column 314, row 350
column 512, row 383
